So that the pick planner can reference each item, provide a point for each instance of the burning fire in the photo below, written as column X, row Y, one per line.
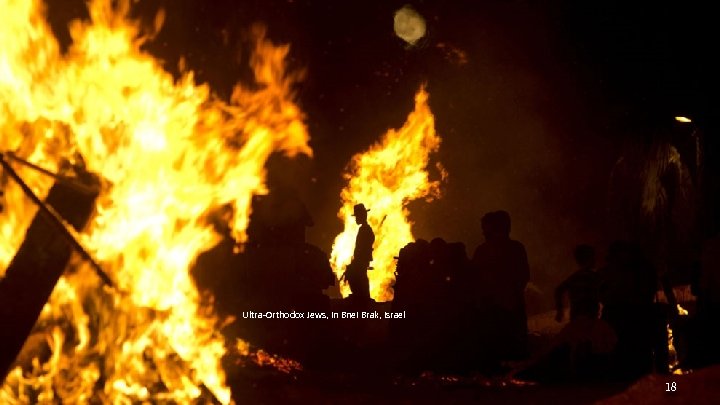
column 168, row 153
column 386, row 178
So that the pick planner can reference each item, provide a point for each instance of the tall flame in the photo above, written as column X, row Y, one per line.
column 168, row 153
column 386, row 178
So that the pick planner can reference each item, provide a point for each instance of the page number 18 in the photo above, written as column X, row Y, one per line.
column 670, row 387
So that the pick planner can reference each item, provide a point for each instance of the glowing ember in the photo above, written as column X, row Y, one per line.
column 168, row 153
column 265, row 359
column 386, row 178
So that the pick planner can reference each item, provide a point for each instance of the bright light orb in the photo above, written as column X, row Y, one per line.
column 409, row 25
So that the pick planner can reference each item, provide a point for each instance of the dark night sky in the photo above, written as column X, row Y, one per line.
column 531, row 123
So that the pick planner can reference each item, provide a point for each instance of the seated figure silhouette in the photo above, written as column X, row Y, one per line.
column 582, row 287
column 582, row 350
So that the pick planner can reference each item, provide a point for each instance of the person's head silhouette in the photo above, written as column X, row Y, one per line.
column 360, row 214
column 496, row 225
column 584, row 256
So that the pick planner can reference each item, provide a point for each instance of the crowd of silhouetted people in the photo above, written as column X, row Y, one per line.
column 468, row 314
column 465, row 313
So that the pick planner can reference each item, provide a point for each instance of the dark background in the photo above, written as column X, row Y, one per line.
column 532, row 121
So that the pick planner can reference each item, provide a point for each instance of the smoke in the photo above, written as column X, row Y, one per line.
column 516, row 114
column 516, row 137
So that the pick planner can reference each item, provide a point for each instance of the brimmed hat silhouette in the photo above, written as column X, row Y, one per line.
column 359, row 208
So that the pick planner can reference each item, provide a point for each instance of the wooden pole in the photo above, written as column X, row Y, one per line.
column 56, row 219
column 39, row 262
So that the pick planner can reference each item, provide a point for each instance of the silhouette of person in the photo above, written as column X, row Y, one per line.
column 709, row 286
column 706, row 324
column 356, row 271
column 583, row 349
column 582, row 287
column 503, row 268
column 627, row 292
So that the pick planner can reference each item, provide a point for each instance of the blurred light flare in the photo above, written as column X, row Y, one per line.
column 409, row 25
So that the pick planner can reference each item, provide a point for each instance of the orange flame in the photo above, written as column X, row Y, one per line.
column 168, row 153
column 386, row 178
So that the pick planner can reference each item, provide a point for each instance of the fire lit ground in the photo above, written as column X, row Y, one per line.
column 176, row 117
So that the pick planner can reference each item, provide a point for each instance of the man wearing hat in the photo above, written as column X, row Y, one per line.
column 356, row 271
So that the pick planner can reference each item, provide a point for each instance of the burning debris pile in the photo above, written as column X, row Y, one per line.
column 386, row 178
column 167, row 153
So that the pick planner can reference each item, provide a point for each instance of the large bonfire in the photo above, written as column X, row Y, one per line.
column 386, row 178
column 167, row 153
